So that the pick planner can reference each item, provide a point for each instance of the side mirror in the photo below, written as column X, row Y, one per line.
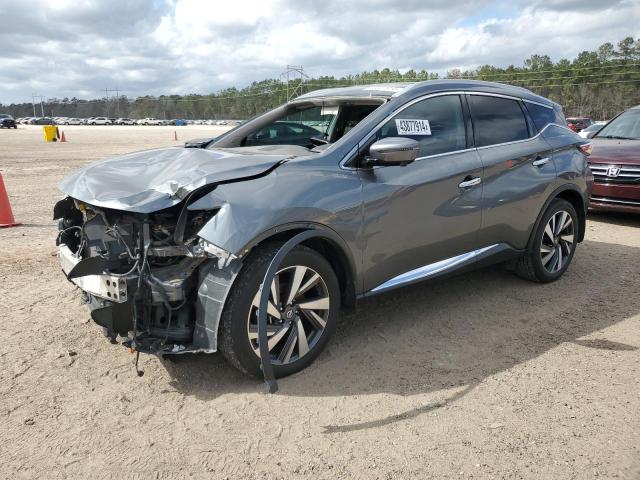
column 392, row 151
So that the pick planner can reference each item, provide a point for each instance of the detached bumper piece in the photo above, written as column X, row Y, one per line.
column 87, row 275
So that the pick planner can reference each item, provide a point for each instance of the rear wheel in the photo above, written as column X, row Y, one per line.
column 553, row 244
column 304, row 301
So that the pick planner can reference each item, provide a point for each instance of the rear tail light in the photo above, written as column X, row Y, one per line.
column 586, row 148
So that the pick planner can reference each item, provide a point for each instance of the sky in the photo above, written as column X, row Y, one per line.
column 77, row 48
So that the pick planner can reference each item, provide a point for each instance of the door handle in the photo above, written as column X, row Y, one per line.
column 538, row 162
column 471, row 182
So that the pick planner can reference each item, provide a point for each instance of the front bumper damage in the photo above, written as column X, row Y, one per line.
column 152, row 296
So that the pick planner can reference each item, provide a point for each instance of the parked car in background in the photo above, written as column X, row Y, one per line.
column 100, row 121
column 171, row 245
column 150, row 121
column 124, row 121
column 591, row 130
column 87, row 121
column 615, row 164
column 7, row 121
column 73, row 121
column 42, row 121
column 578, row 123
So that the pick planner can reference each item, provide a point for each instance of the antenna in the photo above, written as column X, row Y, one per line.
column 295, row 74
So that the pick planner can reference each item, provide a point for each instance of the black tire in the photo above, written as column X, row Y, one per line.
column 233, row 338
column 530, row 266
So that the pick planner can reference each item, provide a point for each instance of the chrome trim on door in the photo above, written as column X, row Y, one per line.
column 540, row 161
column 433, row 269
column 471, row 183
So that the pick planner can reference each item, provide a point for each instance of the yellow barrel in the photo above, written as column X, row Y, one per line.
column 50, row 133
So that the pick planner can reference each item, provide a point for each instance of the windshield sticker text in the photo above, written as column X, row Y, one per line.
column 413, row 127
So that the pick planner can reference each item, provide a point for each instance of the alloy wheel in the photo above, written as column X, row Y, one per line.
column 557, row 242
column 297, row 314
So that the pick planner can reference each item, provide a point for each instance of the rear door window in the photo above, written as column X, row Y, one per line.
column 497, row 120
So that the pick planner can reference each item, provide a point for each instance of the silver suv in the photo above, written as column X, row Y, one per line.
column 337, row 195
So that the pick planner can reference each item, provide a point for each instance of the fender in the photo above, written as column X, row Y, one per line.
column 553, row 196
column 320, row 231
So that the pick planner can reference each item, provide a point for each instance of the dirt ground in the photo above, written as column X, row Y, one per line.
column 479, row 376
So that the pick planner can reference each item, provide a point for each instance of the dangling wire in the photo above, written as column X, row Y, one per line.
column 138, row 371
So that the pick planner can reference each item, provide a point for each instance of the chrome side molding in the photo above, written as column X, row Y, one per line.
column 438, row 268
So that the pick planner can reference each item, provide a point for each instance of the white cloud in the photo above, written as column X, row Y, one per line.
column 78, row 48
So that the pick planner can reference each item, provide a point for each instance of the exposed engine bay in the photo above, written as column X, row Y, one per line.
column 148, row 279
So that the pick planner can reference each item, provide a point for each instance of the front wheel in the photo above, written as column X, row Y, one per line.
column 553, row 244
column 304, row 302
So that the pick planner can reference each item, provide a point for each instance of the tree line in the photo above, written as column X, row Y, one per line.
column 598, row 84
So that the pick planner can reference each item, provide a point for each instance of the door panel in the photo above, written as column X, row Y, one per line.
column 417, row 214
column 514, row 190
column 519, row 173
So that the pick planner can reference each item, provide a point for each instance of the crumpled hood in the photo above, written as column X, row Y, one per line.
column 151, row 180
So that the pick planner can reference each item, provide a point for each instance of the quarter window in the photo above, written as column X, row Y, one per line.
column 497, row 120
column 542, row 116
column 436, row 123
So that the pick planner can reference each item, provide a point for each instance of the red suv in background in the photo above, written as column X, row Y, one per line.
column 578, row 123
column 615, row 164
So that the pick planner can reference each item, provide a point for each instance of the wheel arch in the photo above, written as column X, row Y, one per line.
column 326, row 242
column 572, row 194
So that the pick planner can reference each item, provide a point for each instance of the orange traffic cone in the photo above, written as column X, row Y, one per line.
column 6, row 215
column 62, row 138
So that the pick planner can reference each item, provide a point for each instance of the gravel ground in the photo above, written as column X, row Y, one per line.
column 479, row 376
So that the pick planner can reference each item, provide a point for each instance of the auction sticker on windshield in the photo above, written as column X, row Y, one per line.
column 413, row 127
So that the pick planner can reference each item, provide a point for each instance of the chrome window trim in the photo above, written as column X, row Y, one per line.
column 509, row 97
column 445, row 154
column 526, row 139
column 440, row 94
column 432, row 269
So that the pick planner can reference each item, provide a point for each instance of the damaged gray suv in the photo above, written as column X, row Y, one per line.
column 396, row 183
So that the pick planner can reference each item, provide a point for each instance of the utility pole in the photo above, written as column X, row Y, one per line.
column 33, row 102
column 106, row 92
column 117, row 102
column 294, row 72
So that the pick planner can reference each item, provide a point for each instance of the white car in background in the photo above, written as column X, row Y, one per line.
column 592, row 129
column 72, row 121
column 150, row 121
column 100, row 121
column 124, row 121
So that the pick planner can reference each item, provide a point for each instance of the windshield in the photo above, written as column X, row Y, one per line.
column 306, row 127
column 626, row 126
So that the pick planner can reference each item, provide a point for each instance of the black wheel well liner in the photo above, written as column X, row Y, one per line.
column 571, row 194
column 330, row 245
